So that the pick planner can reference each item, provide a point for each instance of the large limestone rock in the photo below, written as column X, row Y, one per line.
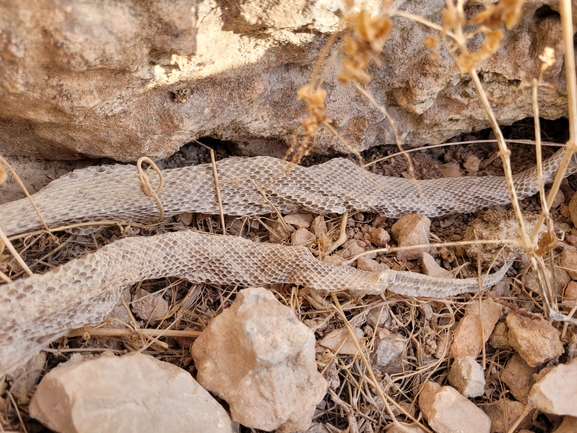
column 129, row 78
column 258, row 357
column 132, row 393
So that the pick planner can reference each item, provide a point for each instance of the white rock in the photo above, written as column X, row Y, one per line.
column 518, row 376
column 535, row 339
column 432, row 268
column 447, row 411
column 466, row 375
column 411, row 230
column 468, row 339
column 132, row 393
column 299, row 220
column 149, row 306
column 259, row 358
column 339, row 341
column 302, row 237
column 555, row 392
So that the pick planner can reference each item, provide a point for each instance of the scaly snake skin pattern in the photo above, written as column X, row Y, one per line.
column 38, row 309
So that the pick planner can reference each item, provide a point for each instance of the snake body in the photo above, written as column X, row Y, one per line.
column 38, row 309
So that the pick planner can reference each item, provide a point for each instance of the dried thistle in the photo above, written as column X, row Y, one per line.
column 505, row 11
column 314, row 100
column 548, row 58
column 370, row 34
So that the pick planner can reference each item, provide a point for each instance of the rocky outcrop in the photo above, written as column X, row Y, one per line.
column 132, row 78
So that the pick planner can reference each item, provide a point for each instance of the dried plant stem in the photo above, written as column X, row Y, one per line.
column 569, row 63
column 505, row 154
column 384, row 397
column 216, row 185
column 145, row 183
column 14, row 253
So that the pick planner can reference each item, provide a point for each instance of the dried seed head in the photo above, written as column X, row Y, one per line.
column 505, row 11
column 548, row 58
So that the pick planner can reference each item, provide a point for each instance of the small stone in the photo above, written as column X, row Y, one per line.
column 280, row 231
column 518, row 376
column 573, row 209
column 571, row 292
column 569, row 425
column 467, row 376
column 354, row 247
column 319, row 226
column 134, row 392
column 379, row 236
column 555, row 392
column 377, row 316
column 447, row 411
column 558, row 200
column 468, row 340
column 472, row 164
column 387, row 354
column 411, row 230
column 339, row 341
column 299, row 220
column 432, row 268
column 149, row 306
column 451, row 169
column 568, row 260
column 499, row 339
column 504, row 414
column 260, row 359
column 535, row 339
column 365, row 263
column 302, row 237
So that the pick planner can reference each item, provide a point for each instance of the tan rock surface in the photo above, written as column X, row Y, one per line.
column 259, row 358
column 467, row 377
column 535, row 339
column 132, row 393
column 447, row 411
column 518, row 376
column 133, row 78
column 555, row 392
column 411, row 230
column 569, row 425
column 468, row 338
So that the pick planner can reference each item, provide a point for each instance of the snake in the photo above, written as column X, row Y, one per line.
column 41, row 308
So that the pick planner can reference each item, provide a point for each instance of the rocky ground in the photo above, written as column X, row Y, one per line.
column 281, row 358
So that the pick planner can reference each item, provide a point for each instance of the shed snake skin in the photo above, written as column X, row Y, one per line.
column 41, row 308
